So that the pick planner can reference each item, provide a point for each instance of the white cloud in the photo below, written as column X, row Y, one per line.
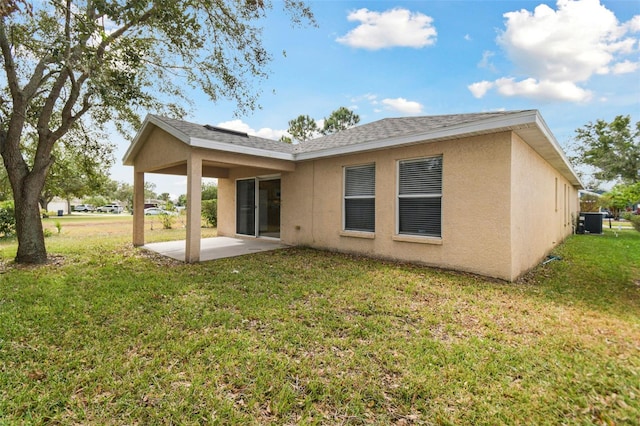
column 486, row 60
column 241, row 126
column 392, row 28
column 625, row 67
column 560, row 48
column 633, row 25
column 369, row 97
column 479, row 89
column 543, row 90
column 402, row 105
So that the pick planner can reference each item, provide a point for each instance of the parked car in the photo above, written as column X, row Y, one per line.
column 158, row 210
column 84, row 208
column 110, row 208
column 607, row 214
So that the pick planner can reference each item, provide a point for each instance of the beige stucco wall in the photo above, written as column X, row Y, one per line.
column 498, row 206
column 503, row 207
column 162, row 150
column 475, row 206
column 542, row 207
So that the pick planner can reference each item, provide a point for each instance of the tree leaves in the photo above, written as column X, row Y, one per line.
column 612, row 148
column 304, row 127
column 340, row 119
column 113, row 61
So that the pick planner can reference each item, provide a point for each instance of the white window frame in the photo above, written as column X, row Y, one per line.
column 406, row 236
column 346, row 197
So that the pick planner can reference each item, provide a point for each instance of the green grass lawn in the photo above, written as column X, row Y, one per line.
column 109, row 334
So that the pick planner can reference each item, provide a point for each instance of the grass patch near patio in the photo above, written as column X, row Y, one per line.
column 108, row 334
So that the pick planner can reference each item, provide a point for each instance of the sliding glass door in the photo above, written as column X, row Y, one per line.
column 269, row 208
column 246, row 207
column 258, row 207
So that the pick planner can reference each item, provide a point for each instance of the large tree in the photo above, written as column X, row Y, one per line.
column 339, row 120
column 302, row 128
column 110, row 61
column 613, row 149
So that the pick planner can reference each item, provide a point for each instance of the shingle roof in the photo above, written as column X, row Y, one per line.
column 378, row 130
column 388, row 128
column 381, row 134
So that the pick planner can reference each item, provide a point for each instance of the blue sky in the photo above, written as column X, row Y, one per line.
column 575, row 61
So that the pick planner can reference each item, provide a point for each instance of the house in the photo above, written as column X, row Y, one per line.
column 57, row 204
column 488, row 193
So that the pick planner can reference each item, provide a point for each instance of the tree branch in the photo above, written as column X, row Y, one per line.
column 120, row 31
column 9, row 64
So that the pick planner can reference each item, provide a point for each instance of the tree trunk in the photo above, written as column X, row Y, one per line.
column 31, row 247
column 27, row 186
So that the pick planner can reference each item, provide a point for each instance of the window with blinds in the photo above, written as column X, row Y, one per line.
column 420, row 197
column 360, row 198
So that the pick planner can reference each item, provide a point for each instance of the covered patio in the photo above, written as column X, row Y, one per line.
column 167, row 146
column 215, row 248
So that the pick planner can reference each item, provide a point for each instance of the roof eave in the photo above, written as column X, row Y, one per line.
column 560, row 162
column 529, row 125
column 450, row 132
column 240, row 149
column 530, row 119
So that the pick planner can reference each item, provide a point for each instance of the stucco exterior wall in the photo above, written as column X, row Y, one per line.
column 164, row 150
column 226, row 208
column 499, row 215
column 542, row 207
column 475, row 206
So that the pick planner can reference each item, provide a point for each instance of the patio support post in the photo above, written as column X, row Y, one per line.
column 194, row 206
column 138, row 208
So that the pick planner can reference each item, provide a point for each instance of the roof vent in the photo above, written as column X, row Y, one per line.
column 223, row 130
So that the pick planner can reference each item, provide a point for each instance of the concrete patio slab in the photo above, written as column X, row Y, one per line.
column 215, row 248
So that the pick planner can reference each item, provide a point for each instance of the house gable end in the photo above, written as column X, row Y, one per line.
column 159, row 151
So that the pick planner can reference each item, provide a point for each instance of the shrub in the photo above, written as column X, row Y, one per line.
column 633, row 218
column 7, row 219
column 210, row 212
column 167, row 221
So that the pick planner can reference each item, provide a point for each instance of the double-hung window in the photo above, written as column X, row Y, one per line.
column 360, row 198
column 420, row 197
